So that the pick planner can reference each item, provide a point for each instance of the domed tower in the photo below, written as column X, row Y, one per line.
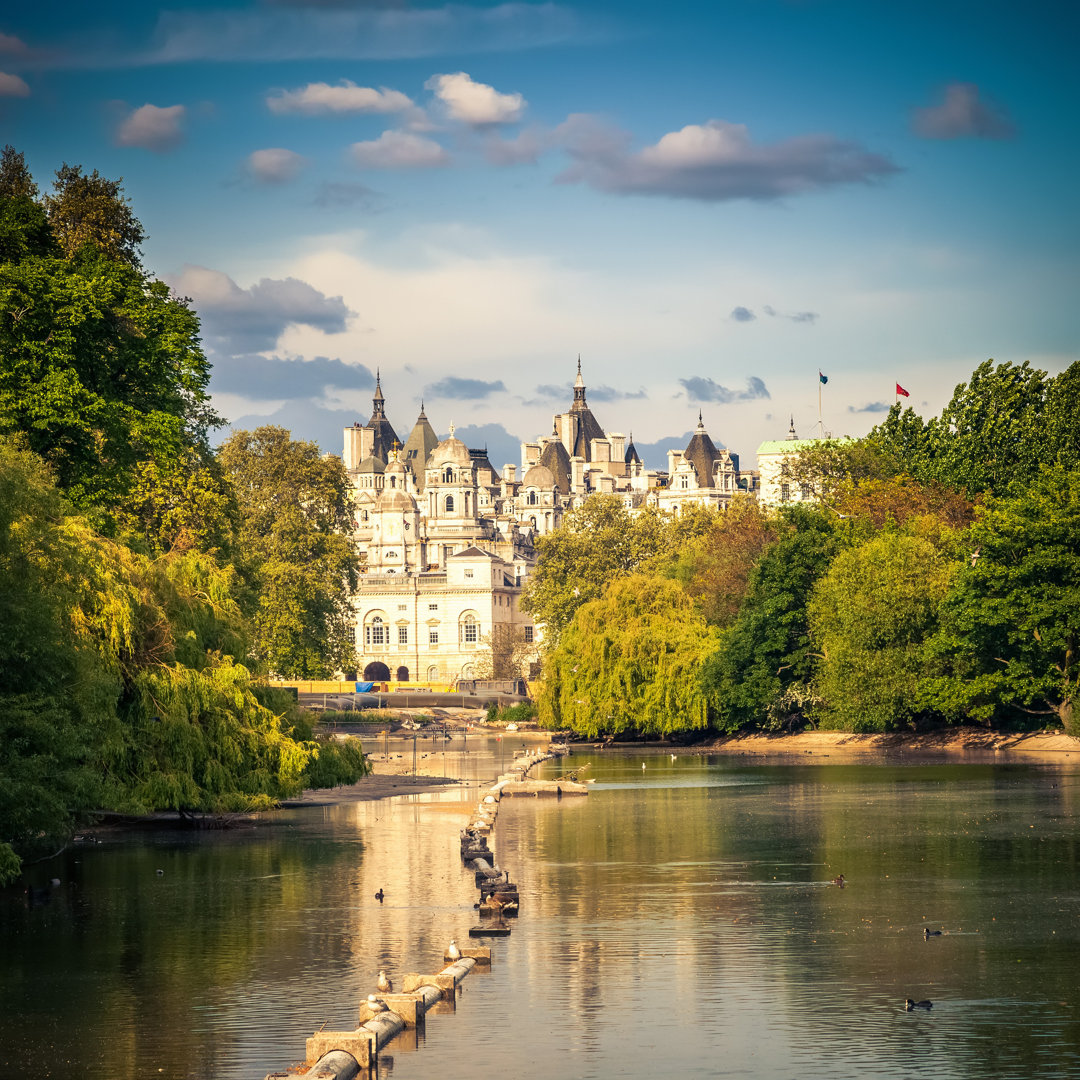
column 395, row 546
column 450, row 486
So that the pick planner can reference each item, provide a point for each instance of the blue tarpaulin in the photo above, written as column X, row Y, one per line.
column 364, row 687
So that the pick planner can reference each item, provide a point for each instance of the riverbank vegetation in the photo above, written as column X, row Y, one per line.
column 932, row 578
column 135, row 577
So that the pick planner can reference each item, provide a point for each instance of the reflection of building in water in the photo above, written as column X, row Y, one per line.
column 449, row 542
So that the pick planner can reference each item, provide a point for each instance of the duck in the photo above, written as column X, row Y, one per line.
column 453, row 951
column 643, row 766
column 674, row 757
column 384, row 985
column 380, row 896
column 838, row 881
column 928, row 933
column 910, row 1004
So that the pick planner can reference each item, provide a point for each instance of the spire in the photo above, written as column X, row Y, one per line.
column 378, row 399
column 579, row 386
column 421, row 416
column 700, row 422
column 791, row 430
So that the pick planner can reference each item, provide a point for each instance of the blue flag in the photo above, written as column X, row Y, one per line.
column 823, row 378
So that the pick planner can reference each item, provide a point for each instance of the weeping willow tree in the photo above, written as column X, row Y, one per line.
column 630, row 661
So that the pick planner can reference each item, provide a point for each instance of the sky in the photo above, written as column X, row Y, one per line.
column 711, row 204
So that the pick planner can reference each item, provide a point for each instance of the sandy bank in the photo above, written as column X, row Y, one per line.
column 959, row 741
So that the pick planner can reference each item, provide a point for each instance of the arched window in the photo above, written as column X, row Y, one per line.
column 377, row 632
column 402, row 674
column 448, row 476
column 433, row 674
column 449, row 505
column 532, row 498
column 467, row 671
column 470, row 629
column 393, row 481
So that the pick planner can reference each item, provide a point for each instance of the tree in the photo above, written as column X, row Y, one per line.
column 630, row 660
column 760, row 673
column 714, row 566
column 869, row 618
column 15, row 179
column 103, row 374
column 296, row 549
column 92, row 210
column 1009, row 642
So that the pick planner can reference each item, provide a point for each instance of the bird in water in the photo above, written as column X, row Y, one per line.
column 910, row 1004
column 928, row 933
column 643, row 766
column 453, row 951
column 674, row 756
column 380, row 896
column 838, row 881
column 384, row 985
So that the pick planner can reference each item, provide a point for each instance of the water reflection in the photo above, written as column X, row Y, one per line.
column 679, row 919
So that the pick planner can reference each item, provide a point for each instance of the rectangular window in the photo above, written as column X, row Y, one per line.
column 403, row 607
column 433, row 607
column 528, row 634
column 433, row 637
column 472, row 632
column 403, row 635
column 468, row 573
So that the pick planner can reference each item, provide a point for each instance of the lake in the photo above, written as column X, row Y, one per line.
column 678, row 921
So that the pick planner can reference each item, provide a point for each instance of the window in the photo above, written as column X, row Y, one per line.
column 468, row 573
column 432, row 674
column 363, row 515
column 449, row 505
column 433, row 637
column 785, row 493
column 528, row 635
column 433, row 607
column 532, row 498
column 448, row 476
column 377, row 632
column 403, row 607
column 393, row 482
column 403, row 635
column 470, row 630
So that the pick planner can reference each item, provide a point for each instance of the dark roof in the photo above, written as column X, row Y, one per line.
column 631, row 455
column 702, row 454
column 473, row 551
column 481, row 461
column 422, row 440
column 385, row 438
column 557, row 460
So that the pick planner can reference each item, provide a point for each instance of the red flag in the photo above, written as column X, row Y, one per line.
column 901, row 392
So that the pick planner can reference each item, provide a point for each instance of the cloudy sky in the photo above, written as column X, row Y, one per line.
column 710, row 203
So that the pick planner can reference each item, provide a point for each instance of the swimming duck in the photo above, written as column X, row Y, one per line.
column 453, row 951
column 910, row 1004
column 928, row 933
column 380, row 895
column 839, row 881
column 384, row 985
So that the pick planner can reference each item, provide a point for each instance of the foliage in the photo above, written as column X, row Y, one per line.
column 524, row 712
column 15, row 179
column 297, row 551
column 630, row 661
column 103, row 372
column 827, row 465
column 869, row 617
column 761, row 671
column 714, row 565
column 90, row 210
column 597, row 543
column 504, row 653
column 1009, row 642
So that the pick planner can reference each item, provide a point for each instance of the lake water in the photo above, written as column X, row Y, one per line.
column 677, row 921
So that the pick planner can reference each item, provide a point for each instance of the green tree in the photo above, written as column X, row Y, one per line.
column 630, row 661
column 761, row 672
column 297, row 551
column 870, row 616
column 15, row 179
column 92, row 210
column 598, row 542
column 1009, row 641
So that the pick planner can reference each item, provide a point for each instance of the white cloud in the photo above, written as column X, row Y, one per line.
column 346, row 97
column 399, row 150
column 13, row 86
column 962, row 114
column 152, row 127
column 712, row 162
column 275, row 165
column 475, row 103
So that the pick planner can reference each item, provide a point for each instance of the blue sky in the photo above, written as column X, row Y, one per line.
column 710, row 203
